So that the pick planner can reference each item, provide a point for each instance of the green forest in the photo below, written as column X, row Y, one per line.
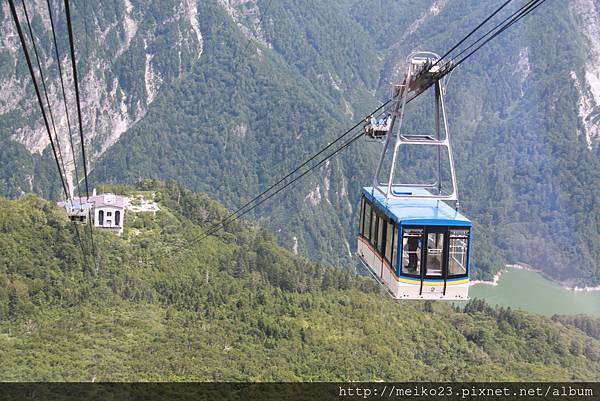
column 236, row 306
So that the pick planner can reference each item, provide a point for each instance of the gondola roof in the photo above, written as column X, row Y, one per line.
column 417, row 211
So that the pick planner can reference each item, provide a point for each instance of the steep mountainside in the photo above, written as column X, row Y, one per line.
column 522, row 114
column 126, row 52
column 227, row 95
column 243, row 115
column 238, row 307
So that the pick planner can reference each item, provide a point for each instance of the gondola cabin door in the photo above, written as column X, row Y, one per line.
column 435, row 260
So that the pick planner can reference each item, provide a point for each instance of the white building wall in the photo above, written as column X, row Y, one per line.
column 109, row 221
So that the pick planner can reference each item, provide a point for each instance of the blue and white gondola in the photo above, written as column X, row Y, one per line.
column 416, row 248
column 410, row 239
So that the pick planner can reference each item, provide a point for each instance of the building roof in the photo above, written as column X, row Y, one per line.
column 77, row 204
column 109, row 200
column 417, row 211
column 101, row 200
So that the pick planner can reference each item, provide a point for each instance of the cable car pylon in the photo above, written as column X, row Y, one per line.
column 422, row 73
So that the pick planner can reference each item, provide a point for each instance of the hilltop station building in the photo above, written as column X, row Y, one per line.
column 106, row 210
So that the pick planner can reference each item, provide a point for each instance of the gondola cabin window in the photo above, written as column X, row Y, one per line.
column 458, row 253
column 395, row 249
column 361, row 224
column 435, row 253
column 380, row 239
column 389, row 240
column 380, row 232
column 412, row 244
column 366, row 229
column 373, row 233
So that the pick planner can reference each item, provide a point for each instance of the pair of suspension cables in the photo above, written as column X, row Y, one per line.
column 55, row 141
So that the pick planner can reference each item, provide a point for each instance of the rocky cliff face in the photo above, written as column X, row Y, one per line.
column 248, row 17
column 587, row 80
column 125, row 54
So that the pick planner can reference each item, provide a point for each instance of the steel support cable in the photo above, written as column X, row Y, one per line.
column 241, row 211
column 534, row 4
column 87, row 49
column 37, row 90
column 522, row 8
column 208, row 233
column 77, row 98
column 504, row 25
column 234, row 216
column 473, row 31
column 41, row 104
column 238, row 214
column 42, row 78
column 294, row 171
column 522, row 12
column 83, row 253
column 64, row 96
column 323, row 160
column 320, row 163
column 78, row 102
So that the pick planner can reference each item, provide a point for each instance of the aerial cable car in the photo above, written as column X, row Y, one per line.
column 78, row 210
column 410, row 239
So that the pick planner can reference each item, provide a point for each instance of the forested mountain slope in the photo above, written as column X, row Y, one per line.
column 243, row 116
column 227, row 95
column 238, row 307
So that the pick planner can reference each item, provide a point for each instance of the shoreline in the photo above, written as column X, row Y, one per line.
column 583, row 289
column 493, row 282
column 496, row 278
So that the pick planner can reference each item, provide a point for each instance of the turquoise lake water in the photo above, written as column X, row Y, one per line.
column 529, row 290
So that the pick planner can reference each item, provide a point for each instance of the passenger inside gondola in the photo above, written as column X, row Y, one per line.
column 412, row 245
column 378, row 127
column 413, row 257
column 373, row 123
